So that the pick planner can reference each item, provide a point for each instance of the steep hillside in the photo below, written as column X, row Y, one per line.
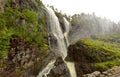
column 94, row 55
column 23, row 36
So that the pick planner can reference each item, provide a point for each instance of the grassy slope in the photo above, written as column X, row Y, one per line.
column 104, row 54
column 94, row 54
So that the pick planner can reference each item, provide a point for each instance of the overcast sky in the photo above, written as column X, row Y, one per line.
column 104, row 8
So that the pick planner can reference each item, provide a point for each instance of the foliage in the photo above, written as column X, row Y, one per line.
column 30, row 16
column 108, row 64
column 5, row 35
column 35, row 34
column 33, row 28
column 8, row 18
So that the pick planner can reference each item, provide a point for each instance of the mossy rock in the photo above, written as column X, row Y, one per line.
column 93, row 55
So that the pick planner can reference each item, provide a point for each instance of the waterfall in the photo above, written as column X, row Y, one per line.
column 56, row 37
column 47, row 69
column 58, row 42
column 67, row 30
column 71, row 67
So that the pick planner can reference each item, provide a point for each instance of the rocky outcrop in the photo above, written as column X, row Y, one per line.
column 21, row 53
column 79, row 55
column 21, row 56
column 91, row 55
column 109, row 73
column 60, row 69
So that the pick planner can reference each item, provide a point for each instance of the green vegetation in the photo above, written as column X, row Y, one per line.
column 30, row 16
column 91, row 55
column 5, row 35
column 24, row 24
column 101, row 54
column 28, row 23
column 112, row 38
column 108, row 64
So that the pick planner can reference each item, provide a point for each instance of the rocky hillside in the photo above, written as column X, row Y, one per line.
column 23, row 36
column 98, row 54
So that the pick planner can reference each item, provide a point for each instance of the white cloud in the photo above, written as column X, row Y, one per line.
column 103, row 8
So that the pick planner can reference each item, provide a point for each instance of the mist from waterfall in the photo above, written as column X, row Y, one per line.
column 56, row 37
column 85, row 26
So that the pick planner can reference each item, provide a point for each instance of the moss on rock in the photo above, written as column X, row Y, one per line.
column 91, row 55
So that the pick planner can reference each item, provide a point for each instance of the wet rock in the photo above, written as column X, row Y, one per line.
column 60, row 69
column 96, row 73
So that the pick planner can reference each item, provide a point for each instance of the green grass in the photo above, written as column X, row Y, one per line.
column 102, row 50
column 102, row 54
column 112, row 38
column 5, row 35
column 108, row 64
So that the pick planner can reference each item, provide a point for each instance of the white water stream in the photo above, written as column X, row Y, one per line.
column 58, row 42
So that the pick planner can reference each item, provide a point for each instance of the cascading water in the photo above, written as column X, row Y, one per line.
column 58, row 42
column 71, row 68
column 55, row 32
column 67, row 29
column 70, row 65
